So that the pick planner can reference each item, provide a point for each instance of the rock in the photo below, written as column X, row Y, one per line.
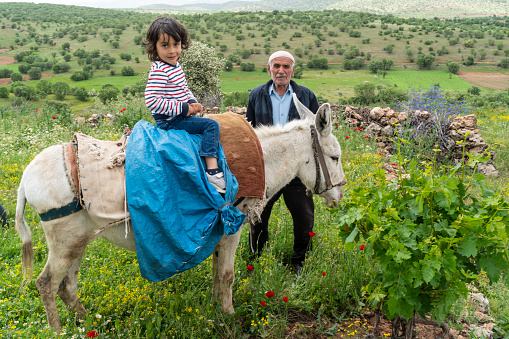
column 387, row 131
column 373, row 129
column 488, row 170
column 422, row 114
column 402, row 116
column 376, row 113
column 468, row 122
column 480, row 332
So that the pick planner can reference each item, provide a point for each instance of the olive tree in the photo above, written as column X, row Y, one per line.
column 202, row 67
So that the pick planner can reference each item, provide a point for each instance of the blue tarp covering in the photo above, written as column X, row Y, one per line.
column 177, row 216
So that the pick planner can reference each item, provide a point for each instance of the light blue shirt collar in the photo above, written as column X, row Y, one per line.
column 280, row 105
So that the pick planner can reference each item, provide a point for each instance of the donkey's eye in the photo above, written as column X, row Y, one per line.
column 335, row 158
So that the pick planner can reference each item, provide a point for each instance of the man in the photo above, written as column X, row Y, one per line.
column 271, row 104
column 3, row 217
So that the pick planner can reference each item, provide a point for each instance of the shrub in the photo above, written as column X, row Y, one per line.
column 108, row 93
column 80, row 76
column 442, row 230
column 202, row 68
column 4, row 92
column 25, row 91
column 81, row 94
column 239, row 99
column 128, row 71
column 60, row 89
column 5, row 73
column 16, row 77
column 247, row 67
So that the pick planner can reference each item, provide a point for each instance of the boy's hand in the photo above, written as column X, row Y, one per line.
column 190, row 111
column 198, row 108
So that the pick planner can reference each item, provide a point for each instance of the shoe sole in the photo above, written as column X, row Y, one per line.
column 218, row 189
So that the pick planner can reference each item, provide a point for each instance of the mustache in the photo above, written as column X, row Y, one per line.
column 280, row 75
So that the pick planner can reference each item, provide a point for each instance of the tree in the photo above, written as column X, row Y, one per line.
column 364, row 93
column 247, row 67
column 4, row 92
column 44, row 86
column 389, row 48
column 60, row 89
column 228, row 66
column 504, row 63
column 202, row 67
column 16, row 77
column 128, row 71
column 108, row 93
column 24, row 91
column 381, row 65
column 35, row 73
column 453, row 67
column 425, row 61
column 81, row 94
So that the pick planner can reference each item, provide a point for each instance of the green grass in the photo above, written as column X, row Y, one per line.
column 425, row 79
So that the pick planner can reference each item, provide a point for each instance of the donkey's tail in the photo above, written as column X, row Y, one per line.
column 25, row 234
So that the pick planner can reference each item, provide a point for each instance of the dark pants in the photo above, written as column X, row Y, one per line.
column 3, row 217
column 301, row 208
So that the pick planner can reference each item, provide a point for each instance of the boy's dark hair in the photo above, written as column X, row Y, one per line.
column 168, row 26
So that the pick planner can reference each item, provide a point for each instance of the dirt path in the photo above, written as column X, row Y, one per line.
column 126, row 45
column 491, row 80
column 6, row 81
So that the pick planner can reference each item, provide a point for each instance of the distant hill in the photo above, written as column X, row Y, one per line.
column 402, row 8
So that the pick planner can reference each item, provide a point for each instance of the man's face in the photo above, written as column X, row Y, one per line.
column 281, row 71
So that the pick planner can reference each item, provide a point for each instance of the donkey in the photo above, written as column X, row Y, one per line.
column 289, row 151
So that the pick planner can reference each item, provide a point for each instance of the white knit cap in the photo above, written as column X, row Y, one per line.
column 280, row 54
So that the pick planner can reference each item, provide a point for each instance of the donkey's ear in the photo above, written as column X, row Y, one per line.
column 304, row 112
column 323, row 120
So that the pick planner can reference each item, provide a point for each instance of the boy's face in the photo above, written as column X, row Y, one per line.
column 168, row 49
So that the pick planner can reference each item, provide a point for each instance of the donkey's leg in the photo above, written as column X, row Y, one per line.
column 48, row 283
column 67, row 239
column 68, row 289
column 224, row 256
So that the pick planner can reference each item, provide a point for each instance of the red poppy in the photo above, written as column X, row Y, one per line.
column 394, row 164
column 250, row 268
column 358, row 128
column 20, row 120
column 362, row 247
column 36, row 111
column 123, row 109
column 324, row 274
column 92, row 334
column 312, row 234
column 285, row 299
column 346, row 228
column 269, row 294
column 365, row 137
column 53, row 117
column 347, row 137
column 380, row 154
column 263, row 303
column 337, row 125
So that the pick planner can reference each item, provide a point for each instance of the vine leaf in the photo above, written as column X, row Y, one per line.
column 468, row 247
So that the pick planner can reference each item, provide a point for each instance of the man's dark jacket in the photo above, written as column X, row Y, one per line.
column 259, row 108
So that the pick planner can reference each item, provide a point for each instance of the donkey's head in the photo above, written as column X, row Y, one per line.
column 324, row 172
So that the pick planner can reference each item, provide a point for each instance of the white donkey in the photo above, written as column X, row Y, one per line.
column 289, row 152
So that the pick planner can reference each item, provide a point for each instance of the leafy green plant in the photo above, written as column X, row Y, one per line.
column 431, row 233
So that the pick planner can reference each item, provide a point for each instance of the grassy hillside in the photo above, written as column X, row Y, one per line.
column 87, row 36
column 401, row 8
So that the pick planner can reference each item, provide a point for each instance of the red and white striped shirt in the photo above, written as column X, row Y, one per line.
column 167, row 94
